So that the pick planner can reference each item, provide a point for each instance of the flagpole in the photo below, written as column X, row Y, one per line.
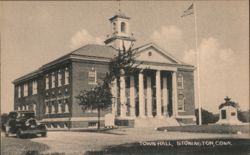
column 198, row 65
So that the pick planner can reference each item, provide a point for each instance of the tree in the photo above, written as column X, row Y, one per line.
column 244, row 116
column 4, row 119
column 207, row 117
column 124, row 64
column 100, row 97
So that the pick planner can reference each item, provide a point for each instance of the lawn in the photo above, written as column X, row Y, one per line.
column 16, row 146
column 214, row 128
column 189, row 146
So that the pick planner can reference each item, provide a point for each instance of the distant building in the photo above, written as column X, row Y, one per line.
column 228, row 113
column 160, row 95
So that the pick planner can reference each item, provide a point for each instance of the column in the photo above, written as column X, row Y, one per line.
column 114, row 95
column 174, row 94
column 132, row 96
column 149, row 97
column 165, row 97
column 158, row 93
column 141, row 96
column 122, row 97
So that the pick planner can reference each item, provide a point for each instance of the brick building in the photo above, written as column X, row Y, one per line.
column 161, row 95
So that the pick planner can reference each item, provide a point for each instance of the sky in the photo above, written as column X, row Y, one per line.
column 34, row 33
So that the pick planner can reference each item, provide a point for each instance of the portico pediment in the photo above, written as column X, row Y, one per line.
column 153, row 53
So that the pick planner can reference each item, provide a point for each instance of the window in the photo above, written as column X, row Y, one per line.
column 19, row 91
column 123, row 27
column 114, row 27
column 34, row 87
column 25, row 90
column 46, row 108
column 180, row 81
column 92, row 76
column 53, row 93
column 59, row 92
column 223, row 114
column 66, row 91
column 66, row 76
column 47, row 81
column 53, row 79
column 59, row 78
column 92, row 124
column 181, row 102
column 59, row 106
column 34, row 108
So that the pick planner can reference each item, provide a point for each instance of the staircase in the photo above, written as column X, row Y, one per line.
column 155, row 122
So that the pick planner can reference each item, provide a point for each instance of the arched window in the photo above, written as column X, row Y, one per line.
column 181, row 102
column 123, row 27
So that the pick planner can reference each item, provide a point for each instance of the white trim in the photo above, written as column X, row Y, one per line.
column 55, row 119
column 156, row 67
column 89, row 58
column 182, row 81
column 59, row 79
column 25, row 90
column 34, row 87
column 92, row 70
column 66, row 76
column 19, row 91
column 47, row 81
column 53, row 80
column 166, row 54
column 86, row 118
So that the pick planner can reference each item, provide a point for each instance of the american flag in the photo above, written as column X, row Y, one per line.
column 188, row 11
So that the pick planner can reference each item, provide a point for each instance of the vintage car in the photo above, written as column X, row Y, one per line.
column 24, row 123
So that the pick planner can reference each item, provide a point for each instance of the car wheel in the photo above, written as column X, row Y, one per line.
column 19, row 134
column 7, row 130
column 44, row 134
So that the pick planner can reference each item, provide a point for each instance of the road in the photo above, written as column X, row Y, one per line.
column 79, row 142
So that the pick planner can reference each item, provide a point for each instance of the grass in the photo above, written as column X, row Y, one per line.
column 13, row 146
column 214, row 128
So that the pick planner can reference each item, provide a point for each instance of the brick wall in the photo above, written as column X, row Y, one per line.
column 80, row 82
column 187, row 91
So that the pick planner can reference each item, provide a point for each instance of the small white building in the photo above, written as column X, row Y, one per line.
column 228, row 113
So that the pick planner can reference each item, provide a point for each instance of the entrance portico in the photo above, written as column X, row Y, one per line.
column 150, row 93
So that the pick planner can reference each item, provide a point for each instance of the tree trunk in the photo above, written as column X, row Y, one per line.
column 98, row 125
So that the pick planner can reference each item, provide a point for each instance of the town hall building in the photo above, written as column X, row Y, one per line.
column 162, row 94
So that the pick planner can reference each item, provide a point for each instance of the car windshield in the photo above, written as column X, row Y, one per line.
column 25, row 115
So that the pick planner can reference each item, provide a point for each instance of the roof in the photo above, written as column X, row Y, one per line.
column 120, row 15
column 94, row 50
column 89, row 50
column 28, row 76
column 152, row 44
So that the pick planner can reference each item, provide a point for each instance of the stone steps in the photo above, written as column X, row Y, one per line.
column 155, row 122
